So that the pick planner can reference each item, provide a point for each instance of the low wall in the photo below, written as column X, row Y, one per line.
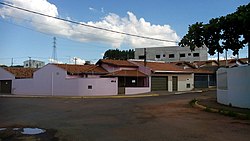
column 234, row 89
column 66, row 87
column 136, row 90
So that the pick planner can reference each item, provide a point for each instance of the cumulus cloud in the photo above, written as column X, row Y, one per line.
column 55, row 61
column 77, row 60
column 129, row 24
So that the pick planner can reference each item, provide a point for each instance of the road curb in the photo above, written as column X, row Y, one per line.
column 222, row 111
column 81, row 97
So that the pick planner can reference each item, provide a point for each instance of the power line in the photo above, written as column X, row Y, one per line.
column 95, row 27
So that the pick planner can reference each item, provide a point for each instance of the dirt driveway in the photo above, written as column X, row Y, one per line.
column 162, row 118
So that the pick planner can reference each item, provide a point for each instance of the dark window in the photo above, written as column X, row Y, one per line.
column 163, row 55
column 89, row 86
column 196, row 54
column 188, row 85
column 189, row 54
column 157, row 56
column 141, row 57
column 171, row 55
column 182, row 55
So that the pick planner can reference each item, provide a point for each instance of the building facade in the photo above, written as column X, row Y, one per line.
column 33, row 64
column 172, row 54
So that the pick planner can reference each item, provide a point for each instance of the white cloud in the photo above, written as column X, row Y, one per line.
column 77, row 60
column 92, row 9
column 129, row 24
column 55, row 61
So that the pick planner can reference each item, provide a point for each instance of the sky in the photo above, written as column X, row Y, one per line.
column 24, row 35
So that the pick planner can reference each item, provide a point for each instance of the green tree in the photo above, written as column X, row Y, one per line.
column 230, row 32
column 116, row 54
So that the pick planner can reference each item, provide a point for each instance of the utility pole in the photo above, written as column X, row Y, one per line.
column 145, row 57
column 29, row 62
column 75, row 60
column 12, row 62
column 218, row 59
column 226, row 58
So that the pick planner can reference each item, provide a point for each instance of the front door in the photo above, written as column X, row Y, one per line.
column 175, row 83
column 5, row 86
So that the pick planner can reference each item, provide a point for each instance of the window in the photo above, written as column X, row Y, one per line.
column 196, row 54
column 141, row 57
column 189, row 54
column 182, row 55
column 163, row 55
column 157, row 56
column 188, row 85
column 89, row 86
column 171, row 55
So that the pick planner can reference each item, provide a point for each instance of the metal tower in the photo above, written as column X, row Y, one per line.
column 54, row 56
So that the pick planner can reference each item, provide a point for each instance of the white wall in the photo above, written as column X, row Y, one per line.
column 5, row 75
column 136, row 90
column 183, row 80
column 237, row 92
column 51, row 80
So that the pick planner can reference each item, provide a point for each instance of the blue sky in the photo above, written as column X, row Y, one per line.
column 26, row 35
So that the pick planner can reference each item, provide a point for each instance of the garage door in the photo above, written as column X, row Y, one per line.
column 200, row 81
column 159, row 83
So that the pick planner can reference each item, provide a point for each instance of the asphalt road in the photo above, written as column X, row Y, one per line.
column 162, row 118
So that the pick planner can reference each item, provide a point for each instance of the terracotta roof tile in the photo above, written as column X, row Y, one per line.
column 119, row 63
column 77, row 69
column 21, row 72
column 201, row 71
column 131, row 73
column 167, row 67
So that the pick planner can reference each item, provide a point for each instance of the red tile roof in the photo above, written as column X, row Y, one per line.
column 131, row 73
column 21, row 72
column 200, row 71
column 78, row 69
column 164, row 67
column 118, row 63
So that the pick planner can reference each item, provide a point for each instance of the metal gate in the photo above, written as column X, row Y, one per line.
column 159, row 83
column 201, row 81
column 5, row 86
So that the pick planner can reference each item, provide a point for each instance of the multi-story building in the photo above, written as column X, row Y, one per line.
column 172, row 54
column 33, row 64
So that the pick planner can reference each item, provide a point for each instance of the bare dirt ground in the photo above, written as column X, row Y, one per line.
column 162, row 118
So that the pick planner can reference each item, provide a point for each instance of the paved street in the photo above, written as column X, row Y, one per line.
column 162, row 118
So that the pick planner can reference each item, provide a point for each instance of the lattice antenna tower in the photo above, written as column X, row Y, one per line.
column 54, row 56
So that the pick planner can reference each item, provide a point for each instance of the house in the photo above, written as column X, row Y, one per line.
column 33, row 64
column 63, row 79
column 172, row 54
column 130, row 79
column 9, row 75
column 168, row 76
column 204, row 72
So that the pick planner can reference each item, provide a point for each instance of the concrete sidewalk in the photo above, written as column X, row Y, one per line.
column 79, row 97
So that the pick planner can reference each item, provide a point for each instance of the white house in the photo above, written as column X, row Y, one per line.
column 67, row 80
column 33, row 64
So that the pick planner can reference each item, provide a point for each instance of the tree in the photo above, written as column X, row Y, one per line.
column 116, row 54
column 227, row 32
